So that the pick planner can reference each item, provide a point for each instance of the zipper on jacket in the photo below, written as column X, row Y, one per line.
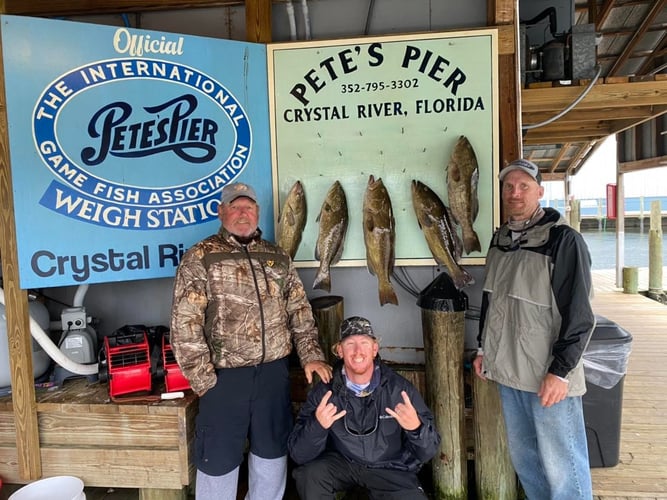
column 259, row 301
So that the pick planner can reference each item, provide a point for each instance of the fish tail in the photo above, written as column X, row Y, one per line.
column 322, row 280
column 471, row 242
column 462, row 278
column 387, row 295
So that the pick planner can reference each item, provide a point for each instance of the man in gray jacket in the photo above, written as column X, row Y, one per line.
column 536, row 322
column 238, row 307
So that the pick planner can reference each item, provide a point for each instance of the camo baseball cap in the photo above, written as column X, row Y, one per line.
column 356, row 325
column 526, row 165
column 236, row 190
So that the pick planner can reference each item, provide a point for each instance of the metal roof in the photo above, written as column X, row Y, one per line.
column 630, row 89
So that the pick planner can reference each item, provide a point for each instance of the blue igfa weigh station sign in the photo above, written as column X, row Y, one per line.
column 120, row 143
column 116, row 130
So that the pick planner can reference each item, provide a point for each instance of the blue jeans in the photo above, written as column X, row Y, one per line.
column 547, row 445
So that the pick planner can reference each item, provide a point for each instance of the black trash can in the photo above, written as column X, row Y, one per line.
column 605, row 366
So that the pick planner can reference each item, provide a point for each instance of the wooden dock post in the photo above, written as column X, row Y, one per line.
column 495, row 478
column 575, row 214
column 443, row 324
column 328, row 313
column 630, row 279
column 655, row 288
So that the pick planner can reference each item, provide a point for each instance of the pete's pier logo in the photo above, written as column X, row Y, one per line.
column 139, row 144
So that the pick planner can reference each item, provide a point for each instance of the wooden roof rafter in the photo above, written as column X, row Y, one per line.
column 637, row 35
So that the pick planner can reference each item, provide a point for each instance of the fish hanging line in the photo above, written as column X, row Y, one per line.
column 568, row 108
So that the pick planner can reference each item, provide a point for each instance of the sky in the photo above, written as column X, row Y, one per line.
column 591, row 181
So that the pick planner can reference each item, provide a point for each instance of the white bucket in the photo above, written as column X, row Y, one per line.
column 52, row 488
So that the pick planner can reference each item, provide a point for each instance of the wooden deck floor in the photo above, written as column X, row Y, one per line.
column 642, row 470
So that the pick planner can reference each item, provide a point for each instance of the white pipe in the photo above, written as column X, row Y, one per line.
column 306, row 17
column 52, row 350
column 292, row 19
column 79, row 295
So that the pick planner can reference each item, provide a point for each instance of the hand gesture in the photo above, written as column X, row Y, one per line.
column 405, row 414
column 327, row 413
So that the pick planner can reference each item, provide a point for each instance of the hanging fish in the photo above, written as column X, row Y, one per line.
column 462, row 180
column 333, row 220
column 292, row 220
column 436, row 223
column 379, row 237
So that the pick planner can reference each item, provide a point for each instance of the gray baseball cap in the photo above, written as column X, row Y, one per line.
column 236, row 190
column 526, row 165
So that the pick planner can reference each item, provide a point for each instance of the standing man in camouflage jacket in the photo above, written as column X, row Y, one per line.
column 238, row 308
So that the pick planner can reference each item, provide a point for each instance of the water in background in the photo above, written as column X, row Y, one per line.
column 602, row 246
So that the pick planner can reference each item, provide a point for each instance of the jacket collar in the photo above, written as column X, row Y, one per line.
column 338, row 381
column 535, row 236
column 230, row 238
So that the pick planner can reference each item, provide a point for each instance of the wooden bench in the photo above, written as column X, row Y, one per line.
column 126, row 445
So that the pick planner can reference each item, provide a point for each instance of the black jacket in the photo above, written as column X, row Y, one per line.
column 367, row 434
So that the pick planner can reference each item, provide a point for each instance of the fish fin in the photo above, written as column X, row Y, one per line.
column 368, row 224
column 429, row 221
column 456, row 239
column 474, row 201
column 450, row 215
column 339, row 251
column 338, row 254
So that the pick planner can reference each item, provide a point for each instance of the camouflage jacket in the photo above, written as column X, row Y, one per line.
column 238, row 305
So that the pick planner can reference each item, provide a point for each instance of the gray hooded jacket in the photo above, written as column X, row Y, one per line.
column 536, row 312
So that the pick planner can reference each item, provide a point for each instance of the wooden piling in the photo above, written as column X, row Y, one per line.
column 444, row 334
column 575, row 214
column 630, row 279
column 328, row 313
column 495, row 478
column 655, row 288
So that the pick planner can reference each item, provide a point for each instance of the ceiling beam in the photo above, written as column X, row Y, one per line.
column 634, row 166
column 603, row 13
column 603, row 95
column 87, row 7
column 559, row 157
column 548, row 177
column 637, row 113
column 562, row 137
column 650, row 64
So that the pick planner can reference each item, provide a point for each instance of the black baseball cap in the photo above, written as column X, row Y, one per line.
column 356, row 325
